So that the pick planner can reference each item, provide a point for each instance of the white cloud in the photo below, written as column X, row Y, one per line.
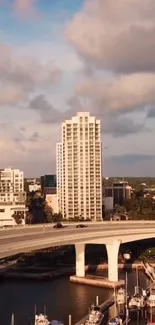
column 122, row 93
column 19, row 145
column 117, row 37
column 20, row 76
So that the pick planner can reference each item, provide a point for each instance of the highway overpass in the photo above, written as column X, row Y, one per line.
column 112, row 234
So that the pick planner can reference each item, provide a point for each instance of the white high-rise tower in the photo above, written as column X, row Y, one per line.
column 79, row 168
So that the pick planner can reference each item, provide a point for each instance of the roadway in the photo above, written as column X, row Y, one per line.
column 24, row 239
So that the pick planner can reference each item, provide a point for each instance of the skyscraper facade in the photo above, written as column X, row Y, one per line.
column 80, row 168
column 59, row 175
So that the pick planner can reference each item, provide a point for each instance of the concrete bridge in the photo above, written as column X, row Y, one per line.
column 112, row 234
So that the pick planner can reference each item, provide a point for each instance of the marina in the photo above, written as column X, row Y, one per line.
column 115, row 307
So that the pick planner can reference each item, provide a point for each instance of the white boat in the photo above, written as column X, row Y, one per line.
column 151, row 301
column 95, row 317
column 56, row 322
column 136, row 302
column 151, row 298
column 115, row 321
column 41, row 320
column 121, row 296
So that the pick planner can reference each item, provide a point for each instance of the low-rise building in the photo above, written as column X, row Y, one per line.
column 8, row 210
column 52, row 201
column 34, row 187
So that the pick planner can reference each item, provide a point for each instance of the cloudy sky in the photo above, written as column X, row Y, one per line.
column 58, row 57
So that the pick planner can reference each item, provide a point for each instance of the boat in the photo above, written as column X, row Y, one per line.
column 56, row 322
column 115, row 321
column 151, row 300
column 151, row 322
column 151, row 319
column 41, row 319
column 137, row 301
column 95, row 316
column 121, row 296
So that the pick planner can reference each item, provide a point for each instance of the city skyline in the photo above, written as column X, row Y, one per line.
column 55, row 61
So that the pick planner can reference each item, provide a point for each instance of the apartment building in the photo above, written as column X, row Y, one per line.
column 59, row 175
column 12, row 186
column 79, row 168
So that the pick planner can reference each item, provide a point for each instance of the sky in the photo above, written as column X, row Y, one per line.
column 58, row 57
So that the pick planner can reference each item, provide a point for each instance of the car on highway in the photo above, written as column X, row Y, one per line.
column 58, row 225
column 81, row 226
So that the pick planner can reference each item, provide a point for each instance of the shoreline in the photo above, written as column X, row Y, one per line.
column 50, row 274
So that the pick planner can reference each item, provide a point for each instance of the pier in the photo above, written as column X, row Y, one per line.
column 97, row 281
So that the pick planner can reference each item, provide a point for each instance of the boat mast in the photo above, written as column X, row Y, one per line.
column 115, row 301
column 126, row 297
column 137, row 282
column 12, row 320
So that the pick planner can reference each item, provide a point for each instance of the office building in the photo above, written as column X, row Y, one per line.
column 79, row 168
column 12, row 186
column 48, row 184
column 119, row 191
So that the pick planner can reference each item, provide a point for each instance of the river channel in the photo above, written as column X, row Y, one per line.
column 60, row 297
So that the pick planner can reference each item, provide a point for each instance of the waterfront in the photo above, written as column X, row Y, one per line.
column 60, row 297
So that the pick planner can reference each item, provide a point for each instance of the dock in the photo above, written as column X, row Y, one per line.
column 97, row 281
column 104, row 306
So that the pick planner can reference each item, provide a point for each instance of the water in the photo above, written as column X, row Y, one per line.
column 60, row 297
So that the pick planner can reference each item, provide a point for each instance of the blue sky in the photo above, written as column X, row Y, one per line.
column 62, row 56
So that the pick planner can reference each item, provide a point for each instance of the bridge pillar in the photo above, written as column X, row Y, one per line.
column 80, row 260
column 112, row 252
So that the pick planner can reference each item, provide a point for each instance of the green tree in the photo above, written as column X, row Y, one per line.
column 17, row 218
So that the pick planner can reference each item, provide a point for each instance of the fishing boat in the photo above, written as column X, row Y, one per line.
column 56, row 322
column 95, row 316
column 137, row 301
column 115, row 321
column 41, row 319
column 120, row 296
column 151, row 297
column 151, row 319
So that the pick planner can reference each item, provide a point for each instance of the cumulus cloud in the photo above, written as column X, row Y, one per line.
column 151, row 112
column 123, row 93
column 131, row 164
column 116, row 37
column 21, row 75
column 122, row 127
column 25, row 147
column 117, row 127
column 46, row 110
